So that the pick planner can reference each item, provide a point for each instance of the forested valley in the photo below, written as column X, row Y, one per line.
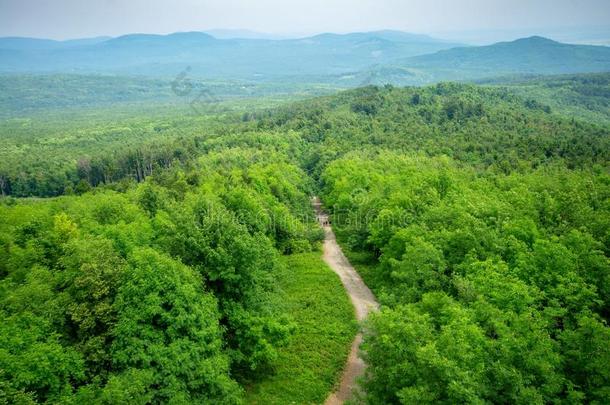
column 146, row 257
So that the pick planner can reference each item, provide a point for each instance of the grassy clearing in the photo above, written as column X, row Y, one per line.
column 309, row 366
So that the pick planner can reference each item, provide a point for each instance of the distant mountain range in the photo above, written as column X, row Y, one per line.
column 348, row 59
column 244, row 34
column 35, row 44
column 533, row 55
column 249, row 59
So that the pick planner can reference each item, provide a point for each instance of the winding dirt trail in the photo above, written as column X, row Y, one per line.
column 362, row 299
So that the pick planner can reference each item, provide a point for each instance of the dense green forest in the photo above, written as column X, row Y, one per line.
column 157, row 272
column 495, row 286
column 482, row 221
column 158, row 294
column 108, row 95
column 586, row 96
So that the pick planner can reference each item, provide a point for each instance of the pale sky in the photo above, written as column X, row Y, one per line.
column 66, row 19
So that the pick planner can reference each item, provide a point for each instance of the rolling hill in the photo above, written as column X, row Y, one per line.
column 259, row 59
column 583, row 95
column 526, row 56
column 534, row 55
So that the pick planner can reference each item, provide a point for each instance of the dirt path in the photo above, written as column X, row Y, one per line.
column 362, row 299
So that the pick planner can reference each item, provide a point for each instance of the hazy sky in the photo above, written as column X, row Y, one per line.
column 62, row 19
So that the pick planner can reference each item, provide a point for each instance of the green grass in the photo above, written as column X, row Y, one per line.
column 308, row 368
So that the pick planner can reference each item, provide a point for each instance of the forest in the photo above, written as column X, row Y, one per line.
column 161, row 255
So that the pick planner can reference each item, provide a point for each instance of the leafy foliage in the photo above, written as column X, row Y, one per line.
column 586, row 96
column 487, row 279
column 160, row 294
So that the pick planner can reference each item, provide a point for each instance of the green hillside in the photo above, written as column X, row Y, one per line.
column 534, row 55
column 586, row 95
column 527, row 55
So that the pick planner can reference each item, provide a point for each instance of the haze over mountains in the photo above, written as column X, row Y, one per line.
column 348, row 59
column 533, row 55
